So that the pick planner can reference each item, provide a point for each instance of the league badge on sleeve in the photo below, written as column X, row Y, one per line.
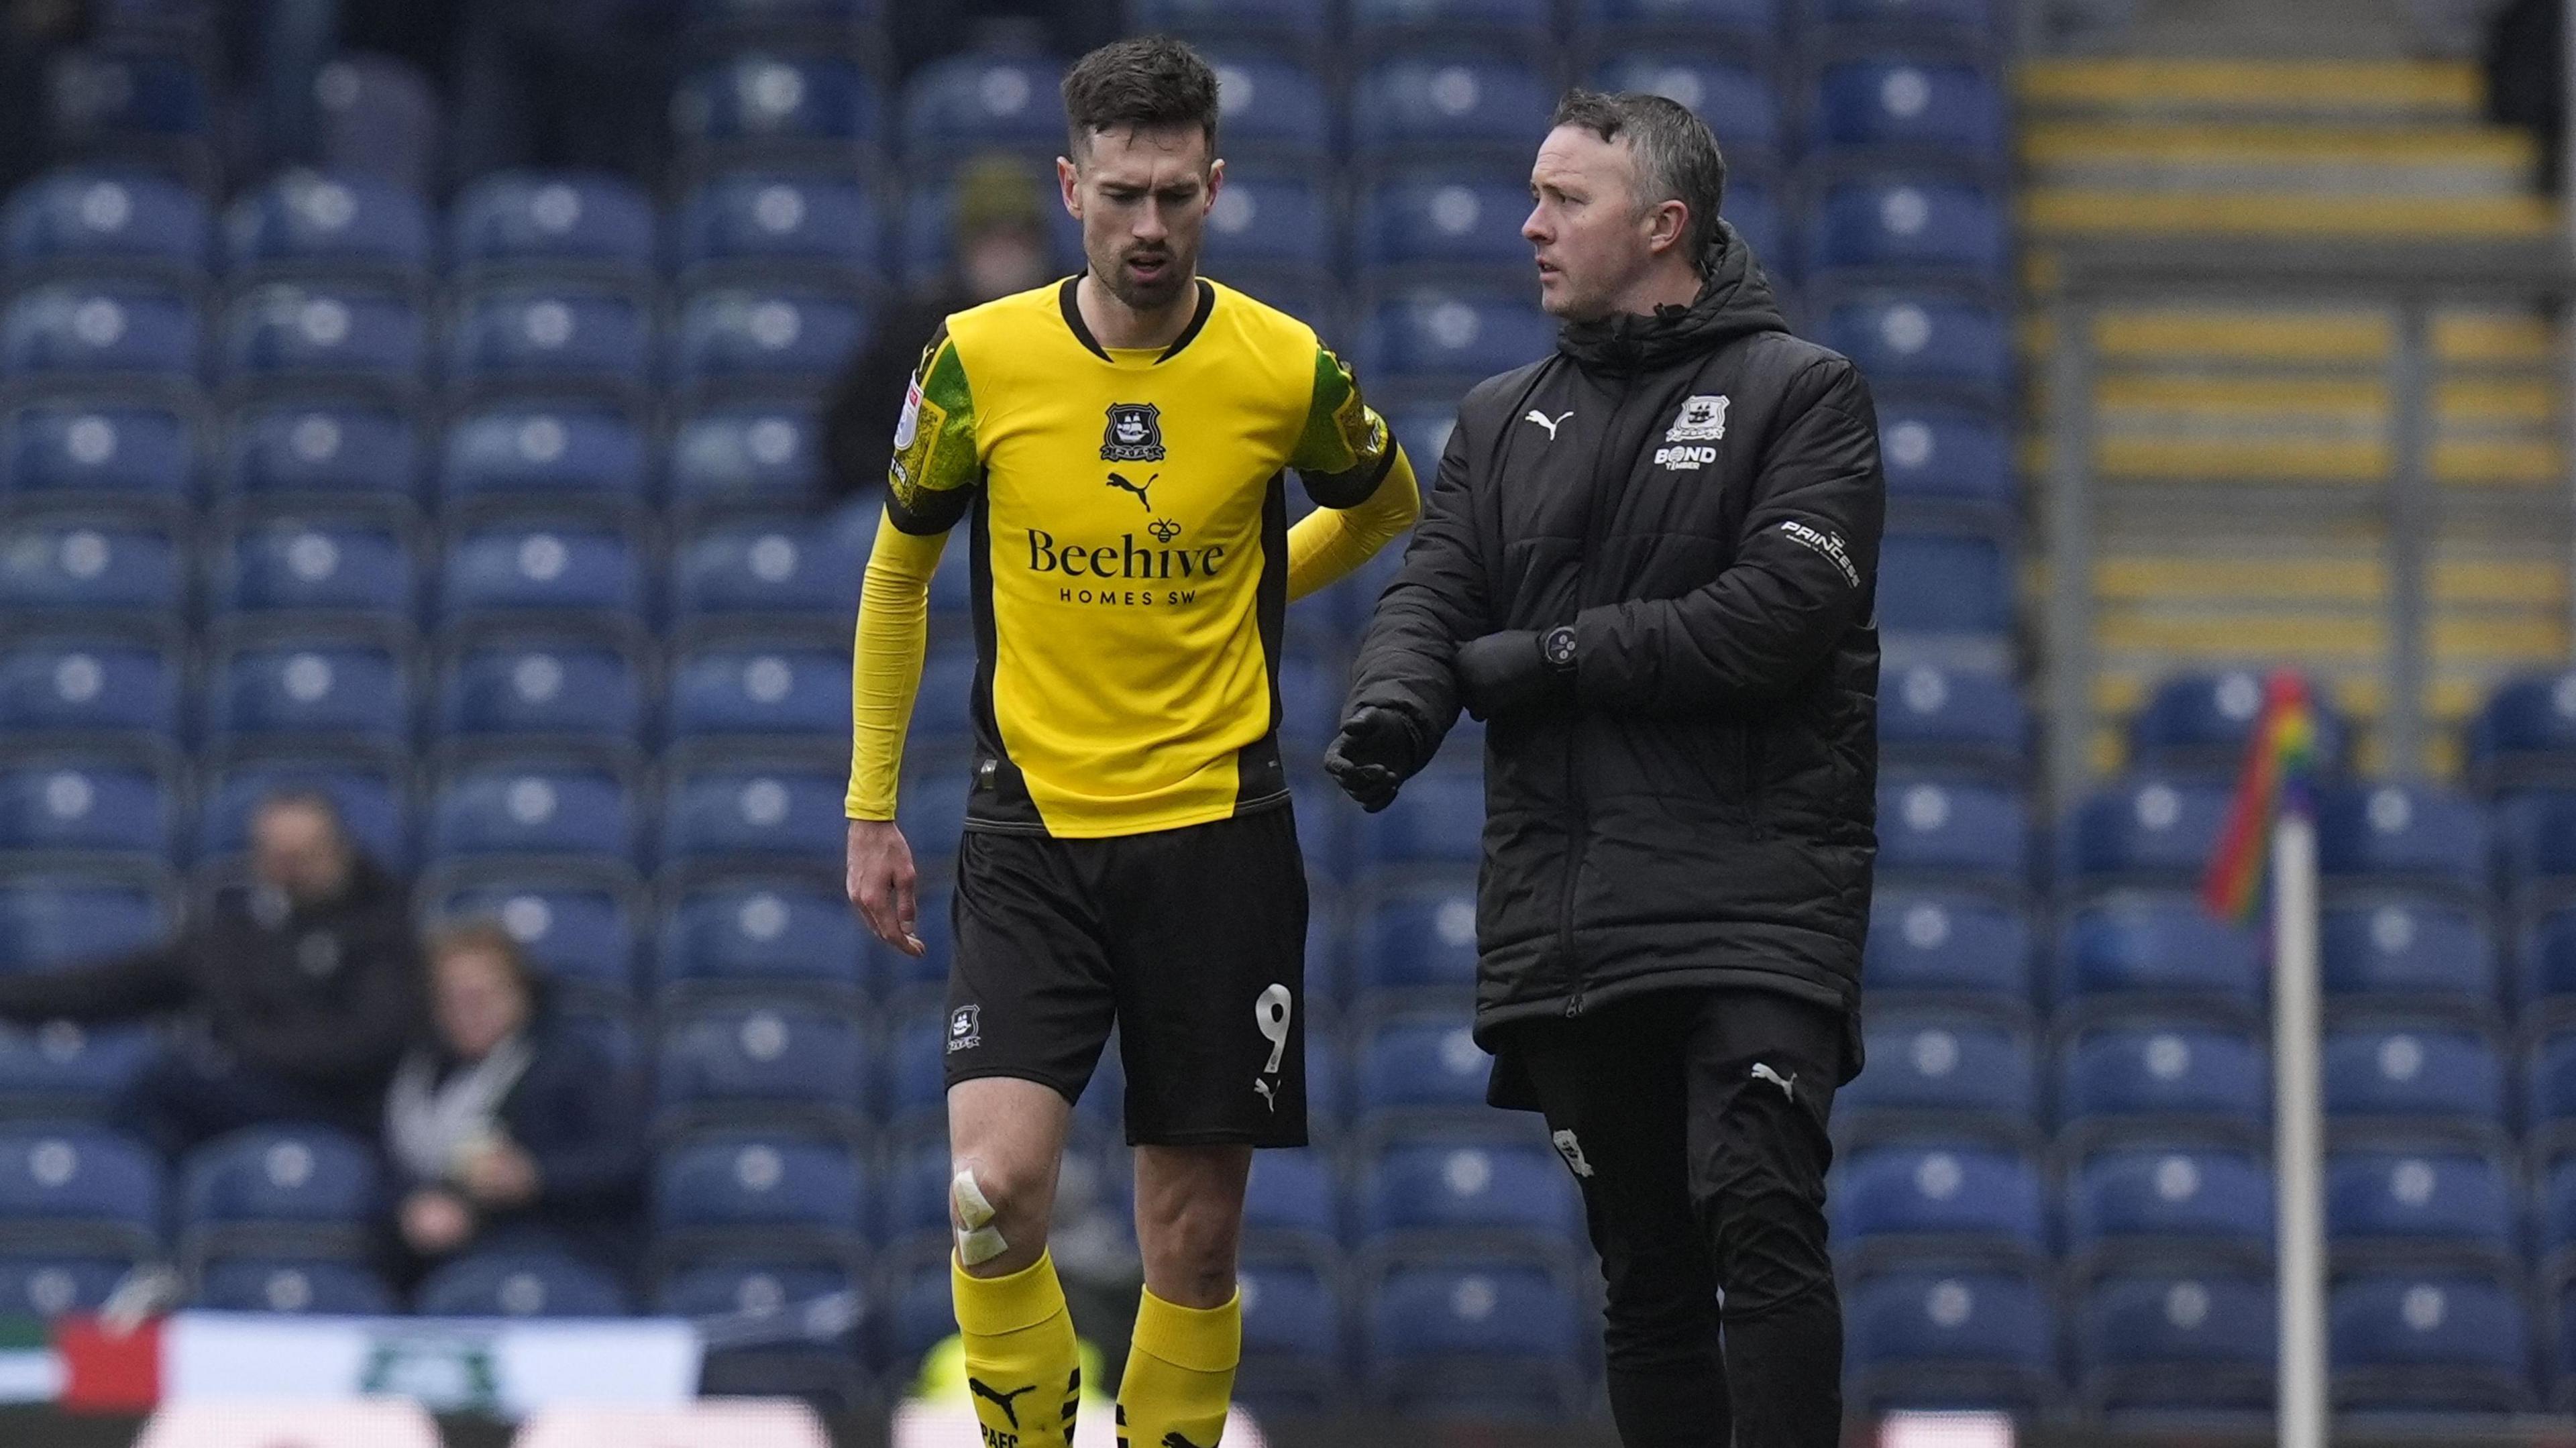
column 908, row 425
column 1135, row 433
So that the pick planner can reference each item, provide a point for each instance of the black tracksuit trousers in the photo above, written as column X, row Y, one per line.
column 1695, row 1124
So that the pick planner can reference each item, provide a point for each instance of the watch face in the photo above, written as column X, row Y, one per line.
column 1560, row 647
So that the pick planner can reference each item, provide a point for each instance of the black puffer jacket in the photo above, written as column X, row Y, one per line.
column 1698, row 493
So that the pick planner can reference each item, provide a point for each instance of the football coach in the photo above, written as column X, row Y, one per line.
column 1649, row 564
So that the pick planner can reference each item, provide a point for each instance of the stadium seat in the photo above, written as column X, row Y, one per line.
column 129, row 98
column 1294, row 1195
column 1950, row 592
column 307, row 687
column 48, row 1286
column 1418, row 102
column 2418, row 1073
column 1753, row 209
column 1946, row 110
column 771, row 566
column 2401, row 833
column 753, row 452
column 2205, row 720
column 1922, row 1196
column 900, row 972
column 371, row 802
column 68, row 1186
column 540, row 685
column 1439, row 819
column 2432, row 952
column 282, row 1188
column 519, row 1284
column 1925, row 339
column 2535, row 832
column 1427, row 1184
column 106, row 217
column 2429, row 1343
column 1963, row 1336
column 1735, row 98
column 96, row 685
column 60, row 1069
column 1444, row 219
column 916, row 1084
column 1755, row 20
column 2178, row 1341
column 763, row 219
column 120, row 329
column 1937, row 452
column 1906, row 224
column 352, row 563
column 789, row 694
column 772, row 1184
column 2152, row 944
column 2438, row 1204
column 310, row 221
column 1960, row 1069
column 74, row 803
column 548, row 334
column 762, row 1289
column 322, row 444
column 2526, row 729
column 1270, row 105
column 293, row 1286
column 531, row 451
column 1953, row 827
column 747, row 1060
column 1446, row 337
column 85, row 448
column 311, row 331
column 2153, row 1079
column 1930, row 715
column 2150, row 829
column 519, row 568
column 1419, row 1063
column 762, row 936
column 2148, row 1200
column 582, row 934
column 1293, row 1346
column 554, row 220
column 1947, row 941
column 380, row 116
column 56, row 919
column 1926, row 20
column 968, row 103
column 74, row 561
column 752, row 815
column 533, row 809
column 1472, row 1334
column 1377, row 24
column 765, row 334
column 1423, row 938
column 1282, row 20
column 1267, row 223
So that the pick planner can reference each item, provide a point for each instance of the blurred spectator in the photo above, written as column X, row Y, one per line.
column 31, row 32
column 296, row 999
column 2526, row 64
column 1000, row 248
column 569, row 83
column 507, row 1128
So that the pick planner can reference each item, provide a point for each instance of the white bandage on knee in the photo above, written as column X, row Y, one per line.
column 978, row 1240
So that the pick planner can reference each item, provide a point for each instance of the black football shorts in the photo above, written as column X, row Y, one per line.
column 1191, row 941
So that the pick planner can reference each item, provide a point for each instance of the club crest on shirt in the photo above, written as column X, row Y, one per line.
column 1135, row 433
column 1703, row 419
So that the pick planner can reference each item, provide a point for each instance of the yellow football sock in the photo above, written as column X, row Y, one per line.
column 1023, row 1370
column 1180, row 1374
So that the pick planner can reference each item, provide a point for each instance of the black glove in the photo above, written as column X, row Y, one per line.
column 1503, row 673
column 1374, row 754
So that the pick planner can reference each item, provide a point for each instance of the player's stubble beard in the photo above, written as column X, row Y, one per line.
column 1147, row 297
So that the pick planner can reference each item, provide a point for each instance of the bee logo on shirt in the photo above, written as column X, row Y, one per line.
column 1135, row 434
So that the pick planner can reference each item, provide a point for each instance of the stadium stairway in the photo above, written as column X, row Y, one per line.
column 2239, row 447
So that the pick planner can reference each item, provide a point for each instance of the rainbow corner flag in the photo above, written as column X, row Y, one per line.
column 2280, row 761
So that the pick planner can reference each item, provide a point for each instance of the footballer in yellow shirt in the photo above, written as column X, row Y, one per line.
column 1116, row 449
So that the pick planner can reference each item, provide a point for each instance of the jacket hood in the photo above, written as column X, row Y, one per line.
column 1735, row 301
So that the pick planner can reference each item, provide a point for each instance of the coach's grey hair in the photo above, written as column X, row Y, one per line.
column 1675, row 156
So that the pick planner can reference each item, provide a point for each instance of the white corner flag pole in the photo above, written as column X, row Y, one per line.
column 2298, row 1133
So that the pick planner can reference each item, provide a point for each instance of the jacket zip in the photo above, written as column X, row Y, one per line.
column 1579, row 810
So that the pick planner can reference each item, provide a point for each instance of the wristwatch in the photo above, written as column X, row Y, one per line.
column 1557, row 647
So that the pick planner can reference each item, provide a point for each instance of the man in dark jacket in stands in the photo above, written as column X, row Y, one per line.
column 1649, row 562
column 294, row 1005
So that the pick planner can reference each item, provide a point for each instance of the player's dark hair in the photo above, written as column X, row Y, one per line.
column 1674, row 155
column 1147, row 83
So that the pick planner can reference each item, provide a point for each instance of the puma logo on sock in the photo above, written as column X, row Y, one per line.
column 1009, row 1409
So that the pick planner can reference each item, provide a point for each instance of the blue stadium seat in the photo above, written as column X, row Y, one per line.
column 1753, row 210
column 2148, row 829
column 1293, row 1194
column 748, row 452
column 824, row 15
column 580, row 934
column 1736, row 99
column 761, row 219
column 762, row 936
column 1271, row 221
column 1472, row 1333
column 76, row 447
column 1420, row 102
column 323, row 444
column 2153, row 1078
column 1947, row 109
column 2526, row 727
column 2146, row 943
column 1962, row 1336
column 772, row 566
column 370, row 801
column 511, row 568
column 2429, row 1343
column 765, row 334
column 316, row 330
column 1953, row 827
column 73, row 561
column 129, row 97
column 2545, row 964
column 50, row 1285
column 1910, row 224
column 2535, row 831
column 755, row 1289
column 1424, row 1184
column 1659, row 19
column 1444, row 219
column 541, row 685
column 2178, row 1340
column 1939, row 452
column 2433, row 952
column 2443, row 1203
column 532, row 333
column 2400, row 832
column 772, row 1183
column 1945, row 586
column 932, row 812
column 268, row 1182
column 520, row 1284
column 1947, row 941
column 92, row 217
column 315, row 685
column 61, row 1069
column 294, row 1286
column 1441, row 335
column 753, row 815
column 1958, row 1067
column 1926, row 20
column 754, row 1057
column 1378, row 23
column 535, row 809
column 974, row 102
column 352, row 564
column 72, row 802
column 1286, row 20
column 554, row 219
column 2204, row 720
column 90, row 684
column 64, row 919
column 929, row 233
column 66, row 1183
column 1419, row 939
column 1930, row 714
column 2417, row 1072
column 1420, row 1062
column 746, row 689
column 308, row 220
column 2549, row 1093
column 108, row 328
column 1271, row 105
column 1978, row 1198
column 916, row 1086
column 1293, row 1345
column 1438, row 820
column 1925, row 339
column 759, row 97
column 525, row 451
column 2168, row 1199
column 943, row 709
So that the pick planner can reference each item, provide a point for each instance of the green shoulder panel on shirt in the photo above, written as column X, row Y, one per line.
column 935, row 463
column 1344, row 450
